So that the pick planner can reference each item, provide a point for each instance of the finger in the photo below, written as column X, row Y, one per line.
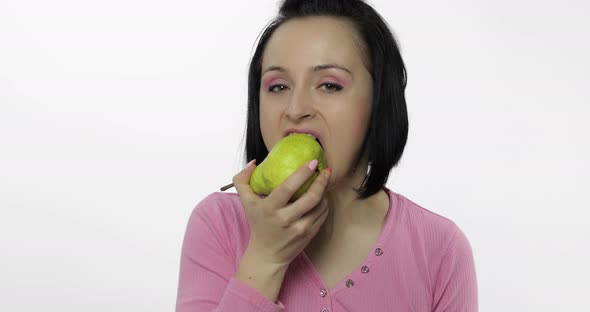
column 310, row 199
column 283, row 193
column 312, row 221
column 242, row 182
column 319, row 220
column 312, row 215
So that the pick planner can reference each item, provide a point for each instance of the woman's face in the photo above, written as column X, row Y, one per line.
column 314, row 79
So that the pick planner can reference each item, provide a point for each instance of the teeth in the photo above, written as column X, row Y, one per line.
column 308, row 134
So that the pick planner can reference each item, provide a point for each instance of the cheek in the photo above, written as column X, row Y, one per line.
column 351, row 131
column 358, row 127
column 268, row 125
column 361, row 122
column 265, row 127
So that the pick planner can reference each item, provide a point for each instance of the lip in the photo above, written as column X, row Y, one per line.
column 308, row 131
column 305, row 130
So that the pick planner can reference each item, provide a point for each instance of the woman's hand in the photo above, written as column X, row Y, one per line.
column 279, row 229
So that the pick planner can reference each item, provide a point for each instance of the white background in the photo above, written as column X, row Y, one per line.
column 118, row 117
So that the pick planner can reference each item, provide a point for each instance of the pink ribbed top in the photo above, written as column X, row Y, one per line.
column 420, row 262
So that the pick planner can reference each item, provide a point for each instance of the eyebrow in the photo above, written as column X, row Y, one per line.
column 315, row 68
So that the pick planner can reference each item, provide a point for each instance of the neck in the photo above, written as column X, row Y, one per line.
column 346, row 212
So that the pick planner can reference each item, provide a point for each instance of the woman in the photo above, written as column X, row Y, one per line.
column 330, row 68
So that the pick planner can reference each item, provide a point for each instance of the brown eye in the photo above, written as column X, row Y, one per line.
column 331, row 87
column 277, row 88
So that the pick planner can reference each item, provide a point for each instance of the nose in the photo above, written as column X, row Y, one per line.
column 300, row 106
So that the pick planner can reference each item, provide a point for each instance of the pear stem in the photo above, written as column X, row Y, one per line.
column 227, row 187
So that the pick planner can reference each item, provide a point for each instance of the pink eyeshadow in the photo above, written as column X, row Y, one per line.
column 270, row 81
column 332, row 79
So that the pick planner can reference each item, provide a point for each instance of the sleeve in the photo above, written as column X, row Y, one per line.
column 206, row 281
column 456, row 283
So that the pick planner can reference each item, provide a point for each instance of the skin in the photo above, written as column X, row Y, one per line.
column 313, row 76
column 297, row 96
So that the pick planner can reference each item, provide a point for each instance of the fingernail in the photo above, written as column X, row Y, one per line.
column 313, row 164
column 327, row 171
column 250, row 164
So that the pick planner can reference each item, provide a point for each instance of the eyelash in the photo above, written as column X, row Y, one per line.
column 334, row 87
column 271, row 87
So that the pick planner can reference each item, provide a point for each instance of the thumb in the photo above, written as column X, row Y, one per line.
column 242, row 180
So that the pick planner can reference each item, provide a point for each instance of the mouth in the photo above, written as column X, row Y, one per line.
column 310, row 133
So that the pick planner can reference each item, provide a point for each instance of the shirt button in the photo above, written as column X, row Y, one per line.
column 324, row 310
column 349, row 283
column 378, row 251
column 323, row 293
column 365, row 269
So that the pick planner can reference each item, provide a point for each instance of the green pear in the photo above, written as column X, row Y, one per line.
column 285, row 157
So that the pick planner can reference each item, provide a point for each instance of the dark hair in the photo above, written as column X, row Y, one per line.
column 388, row 130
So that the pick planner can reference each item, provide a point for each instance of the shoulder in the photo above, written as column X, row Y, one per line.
column 441, row 248
column 416, row 217
column 432, row 242
column 435, row 235
column 219, row 206
column 221, row 216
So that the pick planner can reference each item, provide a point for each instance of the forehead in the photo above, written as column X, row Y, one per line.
column 312, row 40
